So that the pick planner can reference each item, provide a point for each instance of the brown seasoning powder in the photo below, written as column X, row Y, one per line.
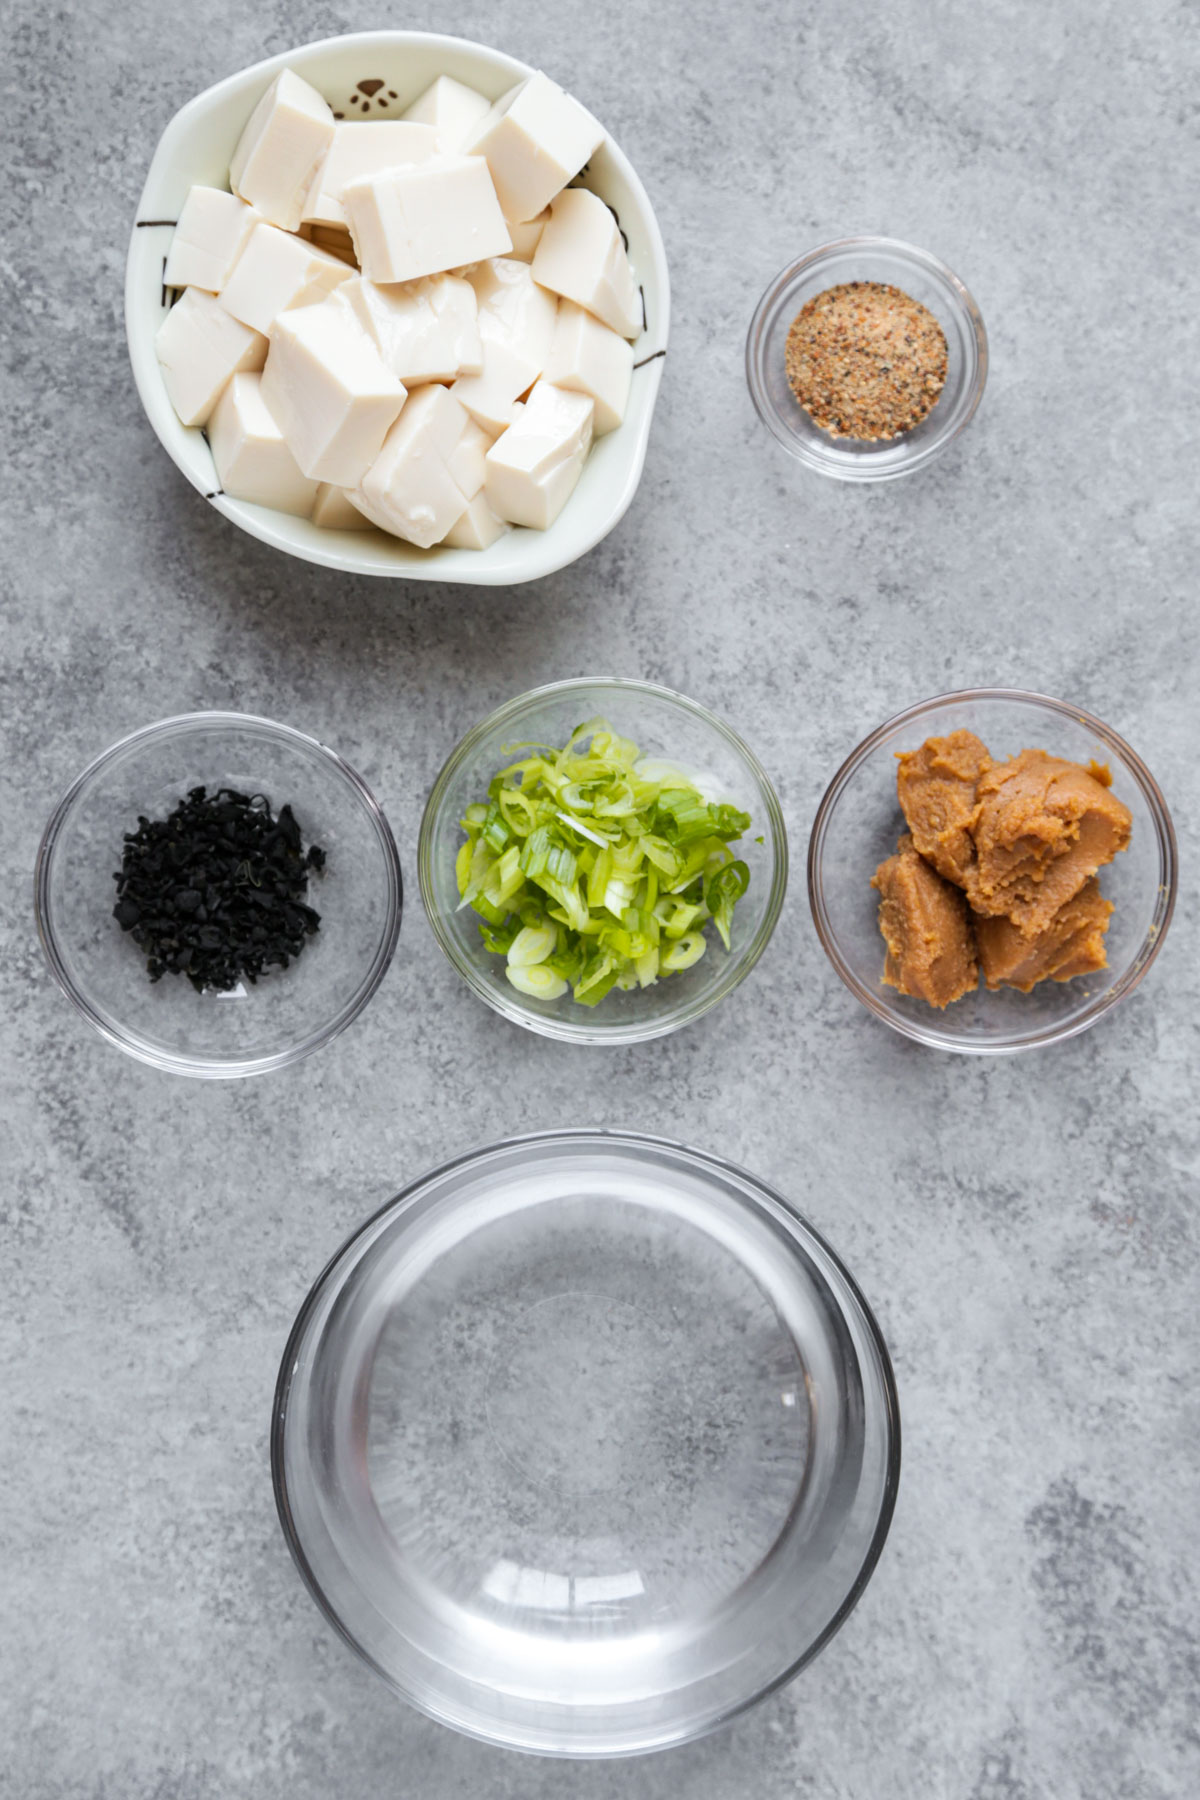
column 866, row 360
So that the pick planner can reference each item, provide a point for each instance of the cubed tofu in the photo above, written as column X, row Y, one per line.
column 209, row 237
column 329, row 391
column 253, row 462
column 588, row 358
column 359, row 149
column 425, row 219
column 200, row 347
column 527, row 235
column 582, row 258
column 333, row 510
column 535, row 139
column 277, row 272
column 414, row 487
column 516, row 330
column 425, row 330
column 514, row 309
column 504, row 377
column 467, row 461
column 452, row 108
column 477, row 529
column 533, row 467
column 279, row 152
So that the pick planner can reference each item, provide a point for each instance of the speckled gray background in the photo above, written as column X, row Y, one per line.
column 1026, row 1229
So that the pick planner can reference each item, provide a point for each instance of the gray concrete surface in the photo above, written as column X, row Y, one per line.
column 1026, row 1229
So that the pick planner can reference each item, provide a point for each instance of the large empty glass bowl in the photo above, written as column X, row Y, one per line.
column 585, row 1443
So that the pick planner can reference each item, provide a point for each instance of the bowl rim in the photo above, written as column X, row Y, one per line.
column 865, row 469
column 801, row 1227
column 272, row 527
column 592, row 1030
column 132, row 1042
column 1055, row 1033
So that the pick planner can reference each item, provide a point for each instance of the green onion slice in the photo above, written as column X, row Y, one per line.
column 592, row 868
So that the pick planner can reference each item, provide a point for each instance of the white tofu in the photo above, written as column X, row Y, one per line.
column 489, row 396
column 514, row 310
column 587, row 358
column 477, row 529
column 467, row 461
column 533, row 467
column 453, row 110
column 535, row 139
column 425, row 219
column 330, row 392
column 277, row 272
column 425, row 330
column 333, row 510
column 412, row 489
column 277, row 155
column 516, row 329
column 527, row 236
column 581, row 257
column 210, row 236
column 361, row 149
column 200, row 347
column 253, row 462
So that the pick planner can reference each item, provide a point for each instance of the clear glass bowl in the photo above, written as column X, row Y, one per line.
column 859, row 820
column 924, row 278
column 287, row 1013
column 585, row 1443
column 661, row 723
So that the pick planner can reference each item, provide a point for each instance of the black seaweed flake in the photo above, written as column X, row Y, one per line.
column 216, row 891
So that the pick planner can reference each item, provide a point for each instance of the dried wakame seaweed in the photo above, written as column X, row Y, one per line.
column 216, row 891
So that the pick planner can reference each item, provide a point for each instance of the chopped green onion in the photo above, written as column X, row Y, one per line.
column 532, row 944
column 540, row 982
column 594, row 868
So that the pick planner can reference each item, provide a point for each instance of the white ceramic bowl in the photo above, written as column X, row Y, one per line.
column 196, row 147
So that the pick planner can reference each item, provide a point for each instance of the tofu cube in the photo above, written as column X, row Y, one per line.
column 527, row 236
column 425, row 219
column 587, row 358
column 535, row 139
column 504, row 377
column 210, row 236
column 362, row 149
column 329, row 391
column 333, row 510
column 477, row 529
column 582, row 258
column 414, row 487
column 253, row 462
column 514, row 310
column 200, row 347
column 279, row 152
column 277, row 272
column 516, row 328
column 533, row 467
column 467, row 461
column 452, row 109
column 425, row 330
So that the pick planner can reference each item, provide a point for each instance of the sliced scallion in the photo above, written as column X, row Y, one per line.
column 593, row 868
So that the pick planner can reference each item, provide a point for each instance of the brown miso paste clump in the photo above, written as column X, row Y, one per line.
column 998, row 870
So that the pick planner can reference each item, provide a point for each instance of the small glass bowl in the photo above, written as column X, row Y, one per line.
column 921, row 276
column 661, row 723
column 859, row 820
column 287, row 1013
column 585, row 1443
